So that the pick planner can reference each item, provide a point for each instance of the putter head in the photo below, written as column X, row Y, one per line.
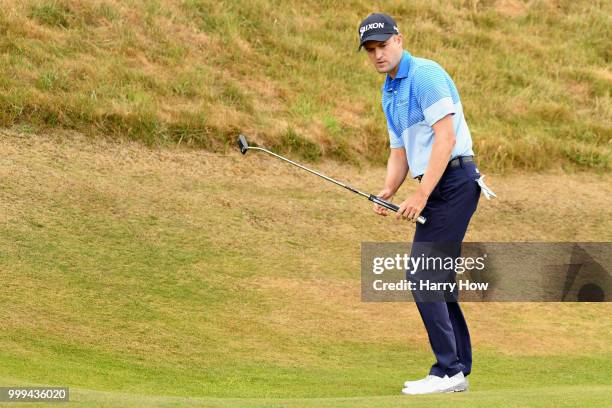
column 242, row 144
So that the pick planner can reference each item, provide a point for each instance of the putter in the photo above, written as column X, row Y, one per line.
column 244, row 147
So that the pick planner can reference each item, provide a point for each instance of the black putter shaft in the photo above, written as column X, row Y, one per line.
column 244, row 146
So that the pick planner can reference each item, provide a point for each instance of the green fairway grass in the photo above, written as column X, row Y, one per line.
column 545, row 397
column 171, row 277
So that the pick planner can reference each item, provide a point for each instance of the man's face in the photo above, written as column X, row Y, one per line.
column 385, row 55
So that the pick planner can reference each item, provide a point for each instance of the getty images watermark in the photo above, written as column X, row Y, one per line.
column 414, row 263
column 514, row 272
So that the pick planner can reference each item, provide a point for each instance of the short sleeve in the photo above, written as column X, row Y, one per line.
column 394, row 139
column 433, row 93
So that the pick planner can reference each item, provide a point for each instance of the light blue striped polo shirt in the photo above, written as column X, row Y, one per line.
column 421, row 94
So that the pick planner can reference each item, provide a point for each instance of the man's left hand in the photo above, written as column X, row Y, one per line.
column 411, row 208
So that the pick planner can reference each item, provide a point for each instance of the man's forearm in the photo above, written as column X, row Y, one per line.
column 397, row 168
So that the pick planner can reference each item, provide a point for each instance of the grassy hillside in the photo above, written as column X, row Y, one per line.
column 534, row 76
column 172, row 277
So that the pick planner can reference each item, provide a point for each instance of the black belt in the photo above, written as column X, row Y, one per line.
column 453, row 163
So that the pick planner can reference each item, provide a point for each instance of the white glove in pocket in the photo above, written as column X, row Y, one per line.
column 488, row 193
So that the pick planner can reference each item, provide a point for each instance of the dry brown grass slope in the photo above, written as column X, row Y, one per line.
column 273, row 232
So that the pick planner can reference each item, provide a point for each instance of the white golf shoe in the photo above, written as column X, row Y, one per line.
column 410, row 384
column 432, row 385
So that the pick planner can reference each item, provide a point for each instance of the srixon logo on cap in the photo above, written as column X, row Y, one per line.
column 371, row 26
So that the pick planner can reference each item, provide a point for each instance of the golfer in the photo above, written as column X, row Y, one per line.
column 429, row 138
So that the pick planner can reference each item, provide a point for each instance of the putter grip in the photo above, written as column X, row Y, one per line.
column 392, row 207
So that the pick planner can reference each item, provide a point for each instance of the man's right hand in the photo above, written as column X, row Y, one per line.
column 386, row 194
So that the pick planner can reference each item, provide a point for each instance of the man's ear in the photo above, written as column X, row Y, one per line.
column 399, row 38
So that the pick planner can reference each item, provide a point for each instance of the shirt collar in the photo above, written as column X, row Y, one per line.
column 402, row 71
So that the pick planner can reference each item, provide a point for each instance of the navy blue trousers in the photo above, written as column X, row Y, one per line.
column 448, row 211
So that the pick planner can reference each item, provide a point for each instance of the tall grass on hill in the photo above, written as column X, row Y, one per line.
column 534, row 76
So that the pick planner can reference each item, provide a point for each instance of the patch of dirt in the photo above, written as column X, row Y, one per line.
column 511, row 8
